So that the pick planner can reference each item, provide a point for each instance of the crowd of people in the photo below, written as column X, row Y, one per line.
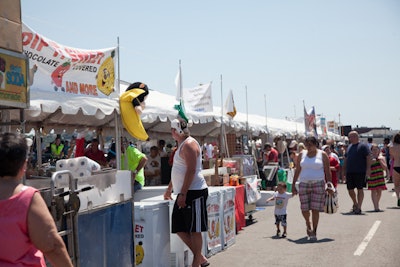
column 358, row 165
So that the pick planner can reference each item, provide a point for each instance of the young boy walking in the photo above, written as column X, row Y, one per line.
column 281, row 198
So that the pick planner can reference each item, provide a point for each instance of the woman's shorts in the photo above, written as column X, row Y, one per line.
column 193, row 217
column 312, row 195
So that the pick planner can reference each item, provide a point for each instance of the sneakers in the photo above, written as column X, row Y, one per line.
column 284, row 235
column 398, row 202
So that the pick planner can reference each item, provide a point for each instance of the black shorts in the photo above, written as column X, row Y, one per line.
column 192, row 218
column 281, row 219
column 355, row 180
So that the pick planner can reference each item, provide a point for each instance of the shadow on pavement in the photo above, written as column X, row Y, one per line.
column 352, row 213
column 393, row 208
column 305, row 240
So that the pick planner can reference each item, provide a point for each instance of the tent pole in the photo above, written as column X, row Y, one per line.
column 222, row 142
column 116, row 118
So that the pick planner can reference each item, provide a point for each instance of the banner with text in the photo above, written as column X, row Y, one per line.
column 199, row 98
column 71, row 71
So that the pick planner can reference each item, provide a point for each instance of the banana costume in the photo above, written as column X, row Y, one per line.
column 131, row 104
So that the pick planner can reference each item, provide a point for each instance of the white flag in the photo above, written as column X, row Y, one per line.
column 178, row 84
column 230, row 105
column 198, row 98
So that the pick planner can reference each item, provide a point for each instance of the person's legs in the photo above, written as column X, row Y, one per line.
column 350, row 188
column 374, row 199
column 360, row 197
column 277, row 222
column 378, row 197
column 305, row 200
column 352, row 195
column 284, row 225
column 396, row 182
column 315, row 220
column 194, row 241
column 136, row 186
column 306, row 215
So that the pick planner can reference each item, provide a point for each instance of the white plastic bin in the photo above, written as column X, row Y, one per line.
column 152, row 238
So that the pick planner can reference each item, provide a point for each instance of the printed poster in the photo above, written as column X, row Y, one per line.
column 69, row 71
column 13, row 79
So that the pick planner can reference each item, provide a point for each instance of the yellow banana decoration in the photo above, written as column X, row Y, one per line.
column 130, row 119
column 139, row 253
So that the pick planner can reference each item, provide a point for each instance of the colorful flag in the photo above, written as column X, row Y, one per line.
column 230, row 105
column 310, row 122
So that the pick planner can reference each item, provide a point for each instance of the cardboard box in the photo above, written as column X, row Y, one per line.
column 11, row 10
column 10, row 35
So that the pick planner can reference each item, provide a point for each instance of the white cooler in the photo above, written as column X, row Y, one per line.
column 180, row 254
column 152, row 234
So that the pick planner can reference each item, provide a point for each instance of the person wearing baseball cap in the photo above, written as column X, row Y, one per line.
column 189, row 215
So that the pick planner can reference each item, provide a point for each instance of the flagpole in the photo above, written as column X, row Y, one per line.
column 222, row 139
column 116, row 117
column 295, row 120
column 266, row 116
column 305, row 124
column 247, row 114
column 180, row 82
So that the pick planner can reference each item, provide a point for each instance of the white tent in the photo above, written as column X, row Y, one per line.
column 81, row 112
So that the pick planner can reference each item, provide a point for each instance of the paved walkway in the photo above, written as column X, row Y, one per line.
column 338, row 234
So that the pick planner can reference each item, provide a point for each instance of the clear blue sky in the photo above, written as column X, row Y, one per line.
column 343, row 57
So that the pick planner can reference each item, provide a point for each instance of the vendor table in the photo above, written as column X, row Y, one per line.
column 239, row 208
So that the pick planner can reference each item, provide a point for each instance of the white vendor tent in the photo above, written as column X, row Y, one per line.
column 58, row 111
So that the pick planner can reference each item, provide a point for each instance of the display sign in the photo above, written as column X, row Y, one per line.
column 13, row 79
column 66, row 70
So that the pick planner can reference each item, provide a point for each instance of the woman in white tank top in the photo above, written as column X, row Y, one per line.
column 312, row 171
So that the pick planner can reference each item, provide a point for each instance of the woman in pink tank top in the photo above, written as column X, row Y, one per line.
column 27, row 230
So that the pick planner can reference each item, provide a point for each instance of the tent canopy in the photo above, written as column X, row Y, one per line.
column 59, row 111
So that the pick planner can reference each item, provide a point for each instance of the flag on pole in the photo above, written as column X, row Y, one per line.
column 310, row 122
column 178, row 83
column 199, row 98
column 230, row 105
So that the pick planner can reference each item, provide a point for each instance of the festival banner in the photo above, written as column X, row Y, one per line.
column 198, row 98
column 69, row 71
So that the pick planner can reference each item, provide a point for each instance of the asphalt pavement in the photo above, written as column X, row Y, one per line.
column 344, row 239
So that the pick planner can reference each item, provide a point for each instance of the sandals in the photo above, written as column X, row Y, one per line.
column 309, row 232
column 356, row 210
column 313, row 237
column 278, row 232
column 284, row 234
